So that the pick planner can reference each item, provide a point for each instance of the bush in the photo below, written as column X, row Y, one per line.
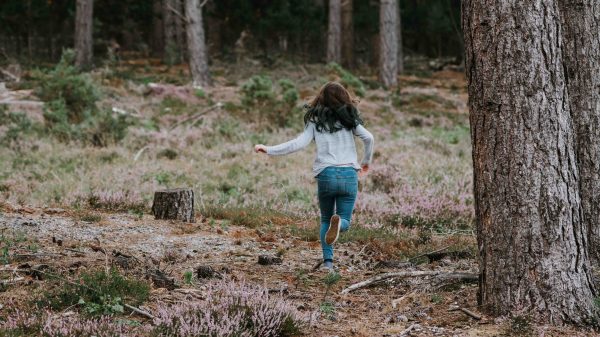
column 77, row 90
column 275, row 104
column 230, row 309
column 71, row 112
column 347, row 79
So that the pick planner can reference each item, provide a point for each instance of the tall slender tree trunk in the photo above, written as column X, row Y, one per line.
column 334, row 32
column 581, row 52
column 399, row 34
column 173, row 33
column 84, row 15
column 347, row 35
column 388, row 43
column 158, row 40
column 196, row 44
column 532, row 244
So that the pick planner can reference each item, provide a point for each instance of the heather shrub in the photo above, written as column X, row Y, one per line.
column 20, row 323
column 230, row 309
column 98, row 293
column 347, row 79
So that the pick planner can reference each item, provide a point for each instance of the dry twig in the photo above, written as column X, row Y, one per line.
column 404, row 274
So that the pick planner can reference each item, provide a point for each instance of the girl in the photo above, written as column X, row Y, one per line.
column 332, row 120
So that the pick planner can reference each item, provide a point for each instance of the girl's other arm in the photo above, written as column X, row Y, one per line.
column 291, row 146
column 368, row 140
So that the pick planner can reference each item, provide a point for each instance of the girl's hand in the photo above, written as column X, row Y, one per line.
column 364, row 169
column 260, row 148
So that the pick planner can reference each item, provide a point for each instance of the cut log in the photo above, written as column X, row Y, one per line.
column 174, row 204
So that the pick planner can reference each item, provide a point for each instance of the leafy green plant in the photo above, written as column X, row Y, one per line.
column 188, row 276
column 330, row 280
column 348, row 79
column 98, row 292
column 327, row 308
column 267, row 102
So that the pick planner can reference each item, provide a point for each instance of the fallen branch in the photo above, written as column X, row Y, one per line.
column 409, row 329
column 138, row 311
column 196, row 116
column 471, row 314
column 405, row 274
column 12, row 281
column 426, row 254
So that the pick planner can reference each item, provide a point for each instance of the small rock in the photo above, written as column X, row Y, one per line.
column 205, row 272
column 266, row 260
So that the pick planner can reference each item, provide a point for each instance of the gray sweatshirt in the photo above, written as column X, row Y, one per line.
column 333, row 149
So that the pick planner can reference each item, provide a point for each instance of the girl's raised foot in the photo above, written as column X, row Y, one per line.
column 334, row 230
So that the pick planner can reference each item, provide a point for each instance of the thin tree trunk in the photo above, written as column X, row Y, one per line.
column 334, row 32
column 84, row 16
column 172, row 51
column 158, row 40
column 347, row 34
column 532, row 245
column 388, row 43
column 180, row 29
column 399, row 34
column 196, row 46
column 581, row 28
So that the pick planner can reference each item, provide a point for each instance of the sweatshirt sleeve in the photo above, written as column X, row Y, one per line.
column 293, row 145
column 368, row 140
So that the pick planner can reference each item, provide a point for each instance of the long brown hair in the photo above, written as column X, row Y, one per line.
column 333, row 109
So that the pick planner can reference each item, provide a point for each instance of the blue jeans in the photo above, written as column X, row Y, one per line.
column 337, row 189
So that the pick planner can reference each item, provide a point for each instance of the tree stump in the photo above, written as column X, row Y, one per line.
column 174, row 204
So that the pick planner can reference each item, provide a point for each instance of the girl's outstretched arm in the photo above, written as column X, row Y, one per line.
column 368, row 140
column 291, row 146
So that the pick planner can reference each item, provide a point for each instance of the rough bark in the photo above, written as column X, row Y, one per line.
column 196, row 44
column 334, row 32
column 581, row 28
column 174, row 204
column 347, row 35
column 532, row 245
column 84, row 15
column 388, row 42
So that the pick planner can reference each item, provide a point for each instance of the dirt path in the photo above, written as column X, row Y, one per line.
column 178, row 247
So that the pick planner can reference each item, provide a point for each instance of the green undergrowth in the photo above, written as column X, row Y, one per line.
column 96, row 293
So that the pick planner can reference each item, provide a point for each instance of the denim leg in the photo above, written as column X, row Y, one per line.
column 326, row 204
column 344, row 204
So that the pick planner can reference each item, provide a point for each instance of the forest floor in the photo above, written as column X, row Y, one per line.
column 69, row 208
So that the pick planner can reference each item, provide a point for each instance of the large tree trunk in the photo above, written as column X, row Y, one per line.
column 581, row 28
column 84, row 15
column 196, row 46
column 388, row 43
column 532, row 245
column 334, row 32
column 347, row 35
